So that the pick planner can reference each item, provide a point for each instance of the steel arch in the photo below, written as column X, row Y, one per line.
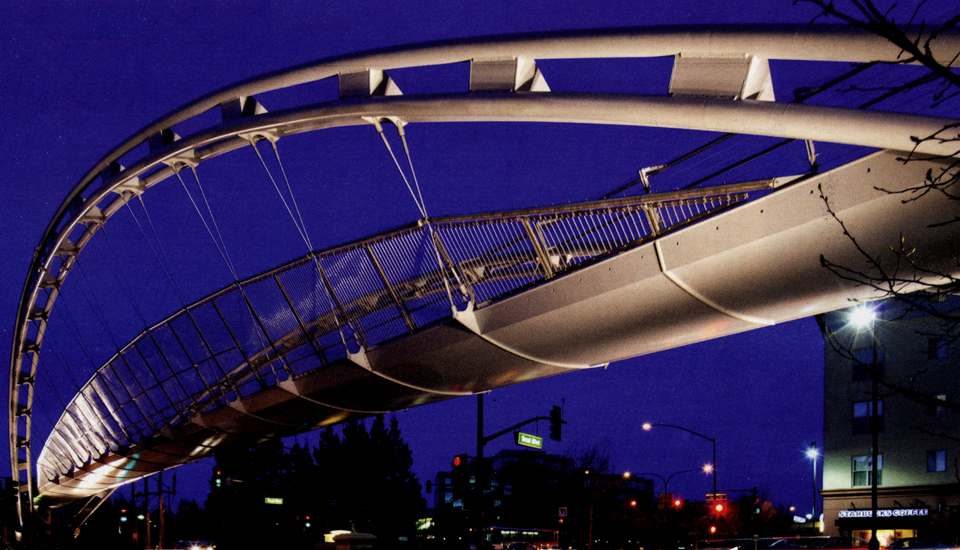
column 88, row 204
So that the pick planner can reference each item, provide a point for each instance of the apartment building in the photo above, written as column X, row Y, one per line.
column 918, row 425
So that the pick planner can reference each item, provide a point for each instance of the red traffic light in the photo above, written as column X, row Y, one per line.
column 456, row 460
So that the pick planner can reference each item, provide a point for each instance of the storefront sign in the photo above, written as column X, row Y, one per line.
column 885, row 513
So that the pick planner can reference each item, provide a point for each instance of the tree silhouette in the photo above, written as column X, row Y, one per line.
column 897, row 273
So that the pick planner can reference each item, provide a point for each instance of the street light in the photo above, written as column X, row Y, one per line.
column 813, row 453
column 666, row 480
column 866, row 318
column 647, row 426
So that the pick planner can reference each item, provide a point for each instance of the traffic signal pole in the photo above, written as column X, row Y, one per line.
column 482, row 440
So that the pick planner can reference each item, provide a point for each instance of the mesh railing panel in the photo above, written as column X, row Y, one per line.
column 313, row 311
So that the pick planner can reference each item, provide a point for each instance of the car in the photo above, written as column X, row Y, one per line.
column 785, row 544
column 918, row 543
column 832, row 543
column 195, row 545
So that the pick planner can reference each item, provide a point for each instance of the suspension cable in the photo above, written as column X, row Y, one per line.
column 301, row 227
column 297, row 219
column 800, row 98
column 221, row 246
column 160, row 255
column 419, row 202
column 421, row 206
column 116, row 269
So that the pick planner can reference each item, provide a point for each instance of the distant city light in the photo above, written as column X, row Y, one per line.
column 626, row 475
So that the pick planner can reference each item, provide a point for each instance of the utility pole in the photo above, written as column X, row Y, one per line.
column 146, row 511
column 146, row 494
column 478, row 466
column 161, row 538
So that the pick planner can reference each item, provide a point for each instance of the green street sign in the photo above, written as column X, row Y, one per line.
column 272, row 500
column 528, row 440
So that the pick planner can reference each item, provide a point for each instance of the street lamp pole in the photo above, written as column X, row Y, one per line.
column 666, row 480
column 867, row 318
column 648, row 425
column 874, row 438
column 813, row 453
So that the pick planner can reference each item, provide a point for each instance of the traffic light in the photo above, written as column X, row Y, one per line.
column 677, row 503
column 218, row 477
column 461, row 473
column 756, row 501
column 555, row 423
column 123, row 515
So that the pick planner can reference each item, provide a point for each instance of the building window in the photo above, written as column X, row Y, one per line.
column 935, row 409
column 863, row 363
column 863, row 470
column 937, row 461
column 862, row 410
column 937, row 348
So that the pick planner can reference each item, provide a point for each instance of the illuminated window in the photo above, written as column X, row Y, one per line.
column 937, row 409
column 937, row 348
column 861, row 416
column 863, row 363
column 937, row 461
column 862, row 470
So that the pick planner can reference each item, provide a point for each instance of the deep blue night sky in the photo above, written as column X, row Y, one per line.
column 76, row 78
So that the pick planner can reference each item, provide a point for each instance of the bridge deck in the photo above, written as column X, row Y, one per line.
column 351, row 331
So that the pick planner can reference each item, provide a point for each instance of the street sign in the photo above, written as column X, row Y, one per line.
column 528, row 440
column 718, row 497
column 272, row 500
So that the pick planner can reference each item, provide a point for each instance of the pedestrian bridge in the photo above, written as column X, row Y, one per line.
column 452, row 306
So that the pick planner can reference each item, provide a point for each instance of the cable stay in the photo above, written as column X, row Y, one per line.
column 421, row 206
column 221, row 245
column 297, row 218
column 218, row 239
column 160, row 254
